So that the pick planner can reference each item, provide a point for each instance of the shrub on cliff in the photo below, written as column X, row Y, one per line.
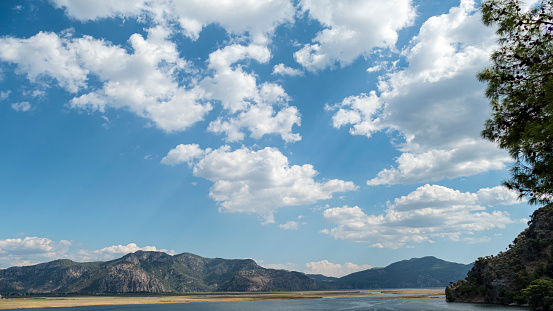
column 540, row 294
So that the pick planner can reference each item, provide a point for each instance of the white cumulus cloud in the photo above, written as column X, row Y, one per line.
column 498, row 196
column 284, row 70
column 429, row 212
column 466, row 157
column 142, row 82
column 184, row 153
column 258, row 19
column 88, row 10
column 352, row 28
column 45, row 56
column 436, row 103
column 34, row 250
column 113, row 252
column 259, row 182
column 328, row 268
column 146, row 77
column 31, row 250
column 262, row 109
column 145, row 82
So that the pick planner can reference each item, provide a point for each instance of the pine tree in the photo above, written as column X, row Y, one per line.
column 520, row 89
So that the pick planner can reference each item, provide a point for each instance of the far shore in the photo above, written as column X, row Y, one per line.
column 38, row 301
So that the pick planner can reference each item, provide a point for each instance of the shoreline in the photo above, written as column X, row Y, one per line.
column 82, row 301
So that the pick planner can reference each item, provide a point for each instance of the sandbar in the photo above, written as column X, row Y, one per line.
column 126, row 299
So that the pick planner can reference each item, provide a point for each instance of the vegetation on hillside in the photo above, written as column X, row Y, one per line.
column 523, row 274
column 413, row 273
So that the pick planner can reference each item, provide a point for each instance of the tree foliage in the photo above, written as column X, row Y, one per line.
column 540, row 294
column 520, row 89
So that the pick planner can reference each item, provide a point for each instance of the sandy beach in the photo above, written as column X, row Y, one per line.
column 79, row 301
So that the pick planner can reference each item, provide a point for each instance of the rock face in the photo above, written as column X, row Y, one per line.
column 269, row 280
column 152, row 272
column 501, row 279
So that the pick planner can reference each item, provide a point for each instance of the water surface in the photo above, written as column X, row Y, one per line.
column 338, row 303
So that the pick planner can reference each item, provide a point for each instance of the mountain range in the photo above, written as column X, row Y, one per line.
column 158, row 272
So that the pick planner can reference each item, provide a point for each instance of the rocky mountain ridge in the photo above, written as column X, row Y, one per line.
column 152, row 272
column 158, row 272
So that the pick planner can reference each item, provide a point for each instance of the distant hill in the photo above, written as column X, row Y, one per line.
column 413, row 273
column 157, row 272
column 152, row 272
column 320, row 277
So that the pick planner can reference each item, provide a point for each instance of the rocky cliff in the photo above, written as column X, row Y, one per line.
column 269, row 280
column 508, row 277
column 152, row 272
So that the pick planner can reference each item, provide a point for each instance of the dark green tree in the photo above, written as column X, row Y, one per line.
column 540, row 294
column 520, row 89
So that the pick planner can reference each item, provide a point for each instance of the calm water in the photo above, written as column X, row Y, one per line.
column 346, row 303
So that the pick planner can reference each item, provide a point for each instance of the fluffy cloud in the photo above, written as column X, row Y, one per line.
column 283, row 70
column 498, row 196
column 289, row 225
column 30, row 250
column 237, row 17
column 256, row 18
column 146, row 82
column 466, row 157
column 21, row 106
column 436, row 103
column 143, row 82
column 184, row 153
column 257, row 182
column 352, row 28
column 436, row 197
column 327, row 268
column 45, row 56
column 359, row 111
column 113, row 252
column 86, row 10
column 231, row 85
column 33, row 250
column 429, row 212
column 248, row 104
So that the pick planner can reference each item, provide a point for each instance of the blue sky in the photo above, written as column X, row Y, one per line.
column 318, row 136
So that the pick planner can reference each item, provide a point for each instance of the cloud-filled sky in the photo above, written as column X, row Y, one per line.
column 320, row 136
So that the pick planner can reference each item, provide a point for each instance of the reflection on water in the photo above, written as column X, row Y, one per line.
column 335, row 303
column 388, row 294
